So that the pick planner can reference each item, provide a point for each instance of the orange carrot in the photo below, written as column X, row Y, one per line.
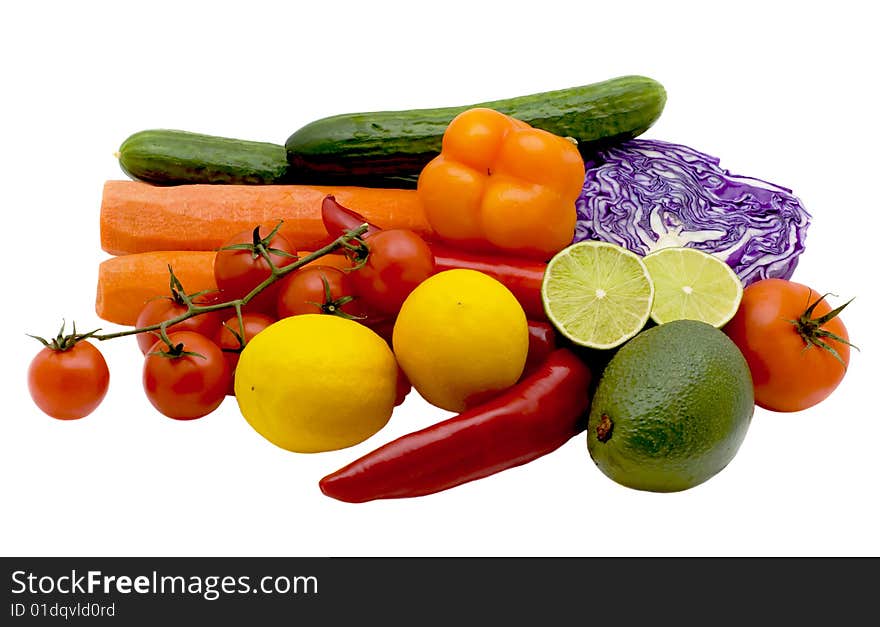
column 125, row 283
column 139, row 217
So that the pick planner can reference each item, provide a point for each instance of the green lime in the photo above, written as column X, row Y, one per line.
column 597, row 294
column 690, row 284
column 671, row 409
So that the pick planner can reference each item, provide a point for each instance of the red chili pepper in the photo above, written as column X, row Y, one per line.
column 522, row 277
column 534, row 417
column 542, row 342
column 338, row 219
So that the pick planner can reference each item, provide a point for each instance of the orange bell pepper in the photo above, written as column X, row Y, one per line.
column 498, row 184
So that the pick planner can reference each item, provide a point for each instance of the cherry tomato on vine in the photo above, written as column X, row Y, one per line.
column 796, row 346
column 187, row 381
column 239, row 266
column 68, row 383
column 399, row 260
column 316, row 289
column 161, row 309
column 226, row 339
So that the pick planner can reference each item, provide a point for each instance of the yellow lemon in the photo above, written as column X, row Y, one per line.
column 316, row 382
column 460, row 335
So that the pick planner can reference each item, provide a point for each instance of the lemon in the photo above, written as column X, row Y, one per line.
column 597, row 294
column 460, row 336
column 690, row 284
column 316, row 382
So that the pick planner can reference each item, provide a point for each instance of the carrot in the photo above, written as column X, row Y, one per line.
column 139, row 217
column 125, row 283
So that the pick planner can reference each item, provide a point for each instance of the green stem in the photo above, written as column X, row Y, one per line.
column 811, row 331
column 343, row 241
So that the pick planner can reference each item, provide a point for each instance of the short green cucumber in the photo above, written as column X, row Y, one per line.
column 171, row 157
column 365, row 148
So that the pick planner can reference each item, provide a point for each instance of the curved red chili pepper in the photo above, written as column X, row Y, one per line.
column 542, row 342
column 522, row 277
column 534, row 417
column 338, row 219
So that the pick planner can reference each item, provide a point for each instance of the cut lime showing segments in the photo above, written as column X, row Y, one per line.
column 597, row 294
column 690, row 284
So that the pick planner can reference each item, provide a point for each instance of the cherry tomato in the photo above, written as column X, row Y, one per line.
column 780, row 339
column 238, row 271
column 68, row 384
column 399, row 260
column 227, row 341
column 186, row 386
column 304, row 291
column 160, row 309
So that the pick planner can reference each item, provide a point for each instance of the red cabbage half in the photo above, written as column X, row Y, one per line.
column 648, row 194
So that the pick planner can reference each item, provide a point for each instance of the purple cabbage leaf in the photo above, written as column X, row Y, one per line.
column 647, row 194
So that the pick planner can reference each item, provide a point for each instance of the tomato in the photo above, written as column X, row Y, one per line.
column 399, row 260
column 161, row 309
column 779, row 337
column 228, row 342
column 68, row 384
column 304, row 292
column 186, row 385
column 238, row 271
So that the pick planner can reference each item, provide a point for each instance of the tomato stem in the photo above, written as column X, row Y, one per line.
column 259, row 247
column 334, row 307
column 178, row 294
column 62, row 341
column 239, row 335
column 174, row 351
column 811, row 331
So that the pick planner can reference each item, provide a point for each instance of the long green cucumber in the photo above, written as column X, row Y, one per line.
column 171, row 157
column 393, row 146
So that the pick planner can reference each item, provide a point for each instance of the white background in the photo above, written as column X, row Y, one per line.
column 779, row 91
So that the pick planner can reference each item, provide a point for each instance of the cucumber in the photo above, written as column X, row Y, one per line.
column 391, row 147
column 170, row 157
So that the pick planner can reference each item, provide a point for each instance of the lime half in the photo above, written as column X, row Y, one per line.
column 690, row 284
column 597, row 294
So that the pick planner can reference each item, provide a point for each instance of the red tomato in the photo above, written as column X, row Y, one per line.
column 304, row 291
column 774, row 331
column 186, row 386
column 229, row 343
column 399, row 260
column 68, row 384
column 161, row 309
column 237, row 272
